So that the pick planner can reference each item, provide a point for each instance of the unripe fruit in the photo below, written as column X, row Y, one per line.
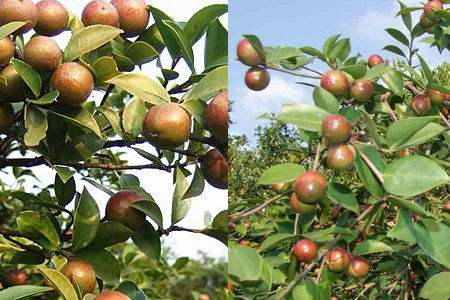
column 335, row 82
column 7, row 117
column 447, row 206
column 119, row 209
column 336, row 129
column 6, row 51
column 374, row 60
column 18, row 10
column 217, row 117
column 13, row 91
column 431, row 7
column 280, row 187
column 112, row 295
column 361, row 90
column 341, row 157
column 299, row 207
column 310, row 187
column 42, row 53
column 133, row 16
column 100, row 12
column 53, row 18
column 247, row 54
column 421, row 105
column 215, row 169
column 74, row 83
column 305, row 250
column 167, row 125
column 80, row 273
column 16, row 277
column 426, row 22
column 436, row 97
column 338, row 260
column 257, row 78
column 358, row 268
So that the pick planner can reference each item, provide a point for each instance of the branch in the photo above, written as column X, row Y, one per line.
column 369, row 163
column 293, row 73
column 444, row 119
column 178, row 228
column 106, row 95
column 410, row 86
column 123, row 143
column 239, row 216
column 384, row 99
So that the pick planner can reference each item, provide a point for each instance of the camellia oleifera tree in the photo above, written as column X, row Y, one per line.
column 53, row 239
column 360, row 208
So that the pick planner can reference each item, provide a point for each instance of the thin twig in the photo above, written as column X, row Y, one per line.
column 293, row 73
column 239, row 216
column 366, row 288
column 444, row 119
column 369, row 163
column 317, row 157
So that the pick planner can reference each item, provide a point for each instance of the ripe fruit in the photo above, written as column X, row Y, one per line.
column 217, row 117
column 305, row 250
column 436, row 97
column 335, row 81
column 421, row 105
column 336, row 129
column 334, row 298
column 100, row 12
column 447, row 206
column 341, row 157
column 358, row 267
column 80, row 273
column 18, row 10
column 247, row 54
column 431, row 7
column 280, row 187
column 167, row 125
column 52, row 19
column 42, row 53
column 374, row 60
column 230, row 286
column 215, row 168
column 7, row 117
column 337, row 260
column 13, row 90
column 112, row 295
column 299, row 207
column 133, row 16
column 16, row 277
column 119, row 209
column 257, row 78
column 74, row 83
column 361, row 90
column 426, row 22
column 6, row 51
column 310, row 187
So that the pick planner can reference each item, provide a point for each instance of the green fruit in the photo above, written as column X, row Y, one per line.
column 53, row 18
column 359, row 267
column 43, row 54
column 119, row 209
column 6, row 51
column 247, row 54
column 18, row 10
column 361, row 90
column 257, row 78
column 100, row 12
column 74, row 83
column 81, row 274
column 305, row 251
column 421, row 105
column 7, row 117
column 16, row 277
column 112, row 295
column 215, row 169
column 341, row 157
column 13, row 91
column 167, row 125
column 217, row 117
column 310, row 187
column 436, row 97
column 133, row 16
column 337, row 260
column 374, row 60
column 335, row 82
column 336, row 129
column 300, row 207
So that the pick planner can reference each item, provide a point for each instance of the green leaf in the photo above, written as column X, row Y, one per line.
column 371, row 246
column 219, row 234
column 426, row 70
column 151, row 209
column 376, row 71
column 197, row 24
column 406, row 17
column 395, row 50
column 133, row 116
column 394, row 80
column 326, row 100
column 39, row 229
column 329, row 44
column 401, row 131
column 105, row 265
column 29, row 75
column 365, row 173
column 437, row 287
column 211, row 84
column 60, row 282
column 48, row 98
column 404, row 228
column 22, row 292
column 113, row 119
column 36, row 125
column 216, row 45
column 141, row 53
column 398, row 35
column 105, row 68
column 411, row 206
column 432, row 237
column 64, row 191
column 197, row 108
column 180, row 207
column 422, row 136
column 109, row 234
column 281, row 173
column 306, row 116
column 87, row 221
column 80, row 117
column 275, row 55
column 357, row 71
column 185, row 47
column 341, row 50
column 9, row 28
column 308, row 290
column 274, row 240
column 148, row 241
column 343, row 196
column 244, row 256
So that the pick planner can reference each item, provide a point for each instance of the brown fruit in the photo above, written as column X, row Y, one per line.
column 6, row 51
column 341, row 157
column 16, row 277
column 421, row 105
column 436, row 97
column 257, row 78
column 335, row 82
column 7, row 117
column 53, row 18
column 119, row 209
column 299, row 207
column 431, row 7
column 18, row 10
column 13, row 91
column 247, row 54
column 361, row 90
column 81, row 274
column 112, row 295
column 42, row 53
column 359, row 267
column 280, row 187
column 217, row 117
column 74, row 83
column 374, row 60
column 133, row 16
column 305, row 250
column 336, row 129
column 338, row 260
column 100, row 12
column 310, row 187
column 215, row 169
column 167, row 125
column 447, row 206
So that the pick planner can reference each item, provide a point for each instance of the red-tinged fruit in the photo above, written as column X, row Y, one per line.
column 81, row 274
column 336, row 129
column 374, row 60
column 53, row 18
column 18, row 11
column 247, row 54
column 337, row 260
column 43, row 54
column 204, row 297
column 431, row 7
column 230, row 286
column 112, row 295
column 335, row 82
column 7, row 116
column 100, row 12
column 341, row 157
column 257, row 78
column 133, row 16
column 217, row 117
column 6, row 51
column 119, row 209
column 447, row 206
column 13, row 90
column 299, row 207
column 359, row 267
column 305, row 251
column 16, row 277
column 310, row 187
column 215, row 169
column 421, row 105
column 361, row 90
column 436, row 97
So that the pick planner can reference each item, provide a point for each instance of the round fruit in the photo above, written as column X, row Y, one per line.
column 421, row 105
column 244, row 242
column 6, row 51
column 299, row 207
column 334, row 298
column 310, row 187
column 436, row 97
column 80, row 273
column 247, row 54
column 16, row 277
column 7, row 117
column 280, row 187
column 336, row 129
column 305, row 251
column 338, row 260
column 374, row 60
column 112, row 295
column 217, row 117
column 53, row 18
column 204, row 297
column 447, row 206
column 230, row 286
column 13, row 91
column 341, row 157
column 42, row 53
column 215, row 169
column 133, row 16
column 119, row 209
column 257, row 78
column 18, row 10
column 167, row 125
column 431, row 7
column 426, row 22
column 100, row 12
column 74, row 83
column 361, row 90
column 358, row 267
column 335, row 82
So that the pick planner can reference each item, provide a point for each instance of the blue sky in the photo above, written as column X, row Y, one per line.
column 300, row 23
